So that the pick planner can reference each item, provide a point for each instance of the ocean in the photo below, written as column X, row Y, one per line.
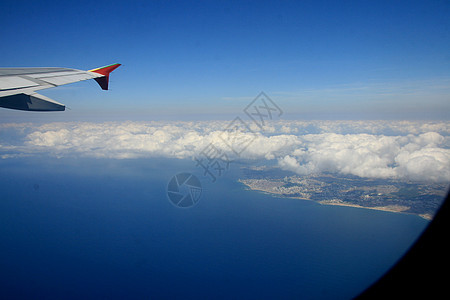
column 105, row 228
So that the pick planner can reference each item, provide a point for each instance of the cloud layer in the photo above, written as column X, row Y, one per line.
column 374, row 149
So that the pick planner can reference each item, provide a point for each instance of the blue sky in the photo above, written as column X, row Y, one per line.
column 317, row 59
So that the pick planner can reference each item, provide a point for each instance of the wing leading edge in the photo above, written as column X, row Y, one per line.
column 18, row 86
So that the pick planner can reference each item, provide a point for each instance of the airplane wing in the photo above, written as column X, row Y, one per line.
column 18, row 86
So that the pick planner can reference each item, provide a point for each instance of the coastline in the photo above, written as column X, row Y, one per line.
column 335, row 202
column 389, row 208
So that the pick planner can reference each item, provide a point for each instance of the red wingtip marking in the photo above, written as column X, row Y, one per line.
column 105, row 70
column 103, row 81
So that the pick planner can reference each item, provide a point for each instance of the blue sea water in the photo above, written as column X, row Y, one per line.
column 101, row 228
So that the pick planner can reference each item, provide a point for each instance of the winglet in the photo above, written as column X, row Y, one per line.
column 104, row 80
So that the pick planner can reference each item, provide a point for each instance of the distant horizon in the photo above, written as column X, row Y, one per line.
column 86, row 115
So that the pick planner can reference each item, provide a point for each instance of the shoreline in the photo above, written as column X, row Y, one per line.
column 389, row 208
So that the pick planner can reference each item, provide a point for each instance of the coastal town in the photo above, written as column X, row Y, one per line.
column 417, row 198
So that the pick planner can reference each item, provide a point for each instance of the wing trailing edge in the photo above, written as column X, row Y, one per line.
column 31, row 102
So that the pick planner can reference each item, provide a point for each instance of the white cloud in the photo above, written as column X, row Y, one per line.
column 374, row 149
column 375, row 156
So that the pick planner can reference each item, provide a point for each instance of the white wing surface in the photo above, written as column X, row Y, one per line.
column 18, row 86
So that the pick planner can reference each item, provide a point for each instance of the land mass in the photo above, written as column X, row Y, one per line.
column 418, row 198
